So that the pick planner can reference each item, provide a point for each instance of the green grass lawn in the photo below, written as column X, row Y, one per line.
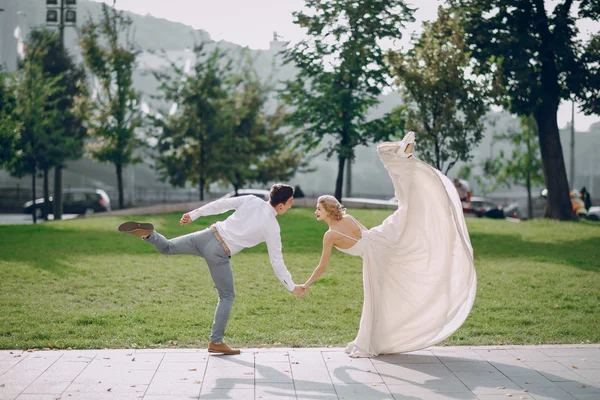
column 81, row 284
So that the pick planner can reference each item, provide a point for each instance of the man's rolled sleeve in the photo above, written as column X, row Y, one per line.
column 218, row 207
column 274, row 247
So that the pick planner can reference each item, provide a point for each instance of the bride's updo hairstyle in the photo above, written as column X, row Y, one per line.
column 332, row 207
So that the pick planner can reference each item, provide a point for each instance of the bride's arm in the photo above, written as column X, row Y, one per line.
column 327, row 246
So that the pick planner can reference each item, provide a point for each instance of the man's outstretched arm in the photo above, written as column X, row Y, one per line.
column 213, row 208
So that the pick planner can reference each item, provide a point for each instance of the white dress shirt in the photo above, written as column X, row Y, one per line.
column 253, row 222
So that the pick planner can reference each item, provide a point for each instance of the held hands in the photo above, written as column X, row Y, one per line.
column 299, row 291
column 185, row 219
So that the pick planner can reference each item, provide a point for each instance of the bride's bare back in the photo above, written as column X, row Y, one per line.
column 346, row 226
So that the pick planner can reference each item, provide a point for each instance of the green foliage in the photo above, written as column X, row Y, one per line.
column 37, row 94
column 67, row 133
column 465, row 172
column 342, row 71
column 523, row 166
column 591, row 100
column 487, row 181
column 222, row 129
column 444, row 104
column 8, row 124
column 188, row 146
column 535, row 59
column 529, row 50
column 114, row 114
column 255, row 147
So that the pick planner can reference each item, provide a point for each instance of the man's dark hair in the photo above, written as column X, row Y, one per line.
column 280, row 194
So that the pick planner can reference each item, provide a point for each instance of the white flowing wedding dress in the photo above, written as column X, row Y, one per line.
column 419, row 279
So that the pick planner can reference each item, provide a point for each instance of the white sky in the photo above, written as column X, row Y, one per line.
column 252, row 23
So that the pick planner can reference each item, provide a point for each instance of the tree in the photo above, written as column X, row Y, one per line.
column 254, row 147
column 188, row 148
column 342, row 72
column 36, row 97
column 523, row 166
column 8, row 124
column 67, row 133
column 444, row 104
column 111, row 58
column 536, row 60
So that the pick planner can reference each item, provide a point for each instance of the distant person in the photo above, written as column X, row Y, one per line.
column 253, row 222
column 585, row 196
column 463, row 189
column 298, row 193
column 419, row 278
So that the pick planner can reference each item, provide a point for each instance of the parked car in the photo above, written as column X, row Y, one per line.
column 260, row 193
column 75, row 201
column 594, row 213
column 485, row 207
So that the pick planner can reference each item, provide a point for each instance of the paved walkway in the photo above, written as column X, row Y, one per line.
column 486, row 373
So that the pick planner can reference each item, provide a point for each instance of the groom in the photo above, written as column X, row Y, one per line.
column 253, row 222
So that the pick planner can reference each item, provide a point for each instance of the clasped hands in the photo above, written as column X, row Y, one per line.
column 300, row 290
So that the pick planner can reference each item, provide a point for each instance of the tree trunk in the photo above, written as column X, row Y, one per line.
column 202, row 178
column 528, row 174
column 57, row 199
column 344, row 153
column 34, row 208
column 340, row 178
column 120, row 184
column 558, row 204
column 349, row 178
column 201, row 187
column 438, row 161
column 529, row 200
column 46, row 208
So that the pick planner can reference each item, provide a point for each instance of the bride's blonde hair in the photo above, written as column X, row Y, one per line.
column 332, row 206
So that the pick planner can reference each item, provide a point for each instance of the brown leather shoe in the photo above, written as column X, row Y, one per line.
column 221, row 348
column 136, row 228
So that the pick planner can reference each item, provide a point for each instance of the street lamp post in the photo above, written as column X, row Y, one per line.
column 572, row 169
column 1, row 38
column 63, row 13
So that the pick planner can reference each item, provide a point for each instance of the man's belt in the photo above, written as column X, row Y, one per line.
column 220, row 240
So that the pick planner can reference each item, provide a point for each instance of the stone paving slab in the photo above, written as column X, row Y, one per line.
column 550, row 372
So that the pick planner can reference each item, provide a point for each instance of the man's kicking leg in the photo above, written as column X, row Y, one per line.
column 186, row 244
column 136, row 228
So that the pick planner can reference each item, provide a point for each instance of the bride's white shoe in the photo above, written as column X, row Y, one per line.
column 408, row 139
column 399, row 148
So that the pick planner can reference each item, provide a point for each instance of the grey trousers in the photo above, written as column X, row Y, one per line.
column 204, row 244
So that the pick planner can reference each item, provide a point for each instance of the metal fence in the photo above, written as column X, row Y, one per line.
column 12, row 198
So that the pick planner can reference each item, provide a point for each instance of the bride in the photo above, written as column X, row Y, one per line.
column 419, row 280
